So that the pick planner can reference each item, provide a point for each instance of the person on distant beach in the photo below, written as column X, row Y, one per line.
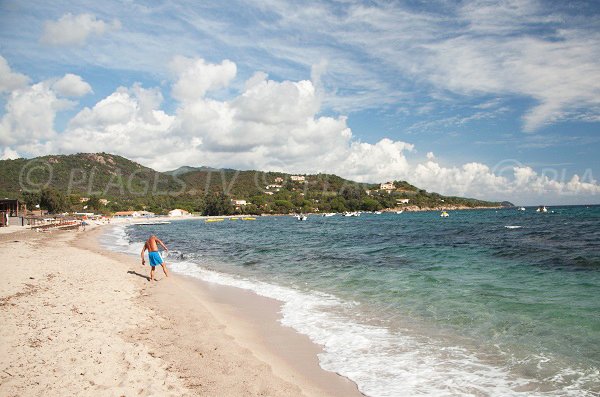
column 155, row 259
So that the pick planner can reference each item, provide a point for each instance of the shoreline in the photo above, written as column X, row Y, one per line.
column 250, row 319
column 179, row 336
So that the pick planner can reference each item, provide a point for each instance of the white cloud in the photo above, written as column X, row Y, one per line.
column 269, row 125
column 128, row 122
column 30, row 114
column 377, row 53
column 72, row 85
column 195, row 77
column 474, row 49
column 10, row 80
column 9, row 154
column 75, row 29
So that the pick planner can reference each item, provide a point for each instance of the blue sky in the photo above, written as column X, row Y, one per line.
column 497, row 100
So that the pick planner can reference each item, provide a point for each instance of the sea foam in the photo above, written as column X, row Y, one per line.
column 381, row 362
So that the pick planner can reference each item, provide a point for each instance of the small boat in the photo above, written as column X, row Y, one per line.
column 214, row 220
column 521, row 209
column 351, row 214
column 444, row 214
column 377, row 212
column 399, row 212
column 542, row 208
column 248, row 219
column 301, row 217
column 329, row 214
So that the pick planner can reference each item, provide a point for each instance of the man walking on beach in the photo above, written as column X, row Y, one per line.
column 155, row 259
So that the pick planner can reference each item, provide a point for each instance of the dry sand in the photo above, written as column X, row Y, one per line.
column 77, row 320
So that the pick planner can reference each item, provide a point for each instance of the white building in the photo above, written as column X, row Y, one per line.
column 178, row 212
column 298, row 178
column 238, row 202
column 387, row 186
column 403, row 201
column 279, row 180
column 127, row 214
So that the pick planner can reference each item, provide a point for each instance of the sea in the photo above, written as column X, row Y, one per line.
column 482, row 303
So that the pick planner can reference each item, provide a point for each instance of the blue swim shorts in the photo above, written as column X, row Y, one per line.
column 155, row 258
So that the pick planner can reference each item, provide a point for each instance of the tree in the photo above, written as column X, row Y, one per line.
column 338, row 204
column 31, row 199
column 53, row 201
column 94, row 203
column 217, row 205
column 369, row 204
column 283, row 206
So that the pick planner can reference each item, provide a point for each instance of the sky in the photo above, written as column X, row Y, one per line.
column 496, row 100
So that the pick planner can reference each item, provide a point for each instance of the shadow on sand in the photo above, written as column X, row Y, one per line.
column 138, row 274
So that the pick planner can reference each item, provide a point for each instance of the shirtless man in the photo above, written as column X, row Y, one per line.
column 155, row 259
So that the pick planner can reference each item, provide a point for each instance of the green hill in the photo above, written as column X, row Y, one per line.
column 91, row 179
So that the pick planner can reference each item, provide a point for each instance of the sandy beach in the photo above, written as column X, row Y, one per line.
column 78, row 320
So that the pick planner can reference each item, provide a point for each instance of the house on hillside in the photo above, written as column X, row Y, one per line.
column 178, row 212
column 274, row 187
column 403, row 201
column 387, row 186
column 279, row 180
column 239, row 203
column 298, row 178
column 103, row 201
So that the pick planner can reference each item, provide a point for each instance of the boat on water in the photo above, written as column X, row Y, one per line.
column 542, row 208
column 301, row 217
column 399, row 212
column 444, row 214
column 521, row 209
column 377, row 212
column 351, row 214
column 327, row 214
column 211, row 220
column 248, row 218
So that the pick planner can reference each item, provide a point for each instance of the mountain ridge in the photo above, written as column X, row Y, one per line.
column 126, row 184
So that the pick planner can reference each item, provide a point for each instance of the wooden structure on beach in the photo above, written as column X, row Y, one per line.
column 11, row 208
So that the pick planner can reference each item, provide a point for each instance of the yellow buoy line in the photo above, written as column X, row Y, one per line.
column 212, row 220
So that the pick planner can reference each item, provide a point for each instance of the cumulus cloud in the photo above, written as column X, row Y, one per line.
column 195, row 77
column 30, row 113
column 269, row 125
column 75, row 29
column 72, row 85
column 10, row 80
column 128, row 122
column 9, row 154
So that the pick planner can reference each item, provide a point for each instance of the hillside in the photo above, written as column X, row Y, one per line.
column 91, row 179
column 87, row 173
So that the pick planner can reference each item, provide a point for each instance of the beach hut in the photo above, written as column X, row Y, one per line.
column 178, row 212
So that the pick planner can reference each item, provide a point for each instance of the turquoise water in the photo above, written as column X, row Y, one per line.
column 481, row 303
